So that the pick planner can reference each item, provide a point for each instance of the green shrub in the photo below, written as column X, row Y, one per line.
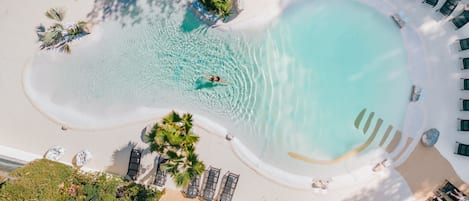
column 222, row 8
column 48, row 180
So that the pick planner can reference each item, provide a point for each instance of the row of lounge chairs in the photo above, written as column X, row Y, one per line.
column 461, row 148
column 448, row 8
column 209, row 186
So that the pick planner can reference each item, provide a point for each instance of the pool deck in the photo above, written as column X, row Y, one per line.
column 433, row 65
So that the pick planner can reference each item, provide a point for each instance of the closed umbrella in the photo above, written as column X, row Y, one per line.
column 83, row 157
column 430, row 137
column 55, row 153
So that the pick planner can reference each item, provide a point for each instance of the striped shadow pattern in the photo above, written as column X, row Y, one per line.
column 364, row 125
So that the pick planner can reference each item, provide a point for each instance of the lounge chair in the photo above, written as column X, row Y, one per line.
column 462, row 149
column 134, row 164
column 448, row 7
column 437, row 194
column 465, row 84
column 431, row 2
column 465, row 63
column 464, row 44
column 447, row 188
column 210, row 183
column 228, row 186
column 464, row 125
column 192, row 190
column 464, row 105
column 160, row 176
column 461, row 20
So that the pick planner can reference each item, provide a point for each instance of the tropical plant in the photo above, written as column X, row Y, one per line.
column 57, row 36
column 174, row 140
column 48, row 180
column 222, row 8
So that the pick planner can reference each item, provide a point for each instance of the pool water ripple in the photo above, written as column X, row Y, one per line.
column 297, row 86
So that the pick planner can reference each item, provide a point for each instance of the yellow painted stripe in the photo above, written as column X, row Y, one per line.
column 347, row 155
column 368, row 122
column 394, row 142
column 359, row 118
column 385, row 136
column 407, row 144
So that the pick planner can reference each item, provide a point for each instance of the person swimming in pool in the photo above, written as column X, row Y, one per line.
column 214, row 78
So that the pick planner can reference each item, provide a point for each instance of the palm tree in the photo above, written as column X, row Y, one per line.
column 174, row 140
column 56, row 36
column 52, row 36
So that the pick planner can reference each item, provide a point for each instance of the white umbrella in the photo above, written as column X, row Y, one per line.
column 55, row 153
column 83, row 157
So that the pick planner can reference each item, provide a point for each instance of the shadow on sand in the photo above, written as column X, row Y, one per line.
column 120, row 159
column 131, row 12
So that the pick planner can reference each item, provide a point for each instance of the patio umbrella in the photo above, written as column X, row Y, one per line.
column 82, row 158
column 430, row 137
column 55, row 153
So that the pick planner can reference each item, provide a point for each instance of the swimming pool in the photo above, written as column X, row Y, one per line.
column 296, row 87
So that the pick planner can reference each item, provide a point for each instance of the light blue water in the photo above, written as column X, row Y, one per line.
column 297, row 87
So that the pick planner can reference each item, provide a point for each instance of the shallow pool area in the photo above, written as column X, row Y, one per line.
column 296, row 86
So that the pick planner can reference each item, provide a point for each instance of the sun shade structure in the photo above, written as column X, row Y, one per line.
column 431, row 2
column 462, row 149
column 430, row 137
column 228, row 186
column 448, row 7
column 83, row 157
column 461, row 20
column 209, row 184
column 134, row 164
column 192, row 190
column 55, row 153
column 160, row 176
column 464, row 44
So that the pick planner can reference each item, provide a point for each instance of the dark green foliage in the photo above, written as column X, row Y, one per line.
column 174, row 140
column 220, row 7
column 48, row 180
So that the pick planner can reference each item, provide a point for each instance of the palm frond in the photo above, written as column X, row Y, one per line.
column 56, row 14
column 66, row 48
column 182, row 179
column 83, row 26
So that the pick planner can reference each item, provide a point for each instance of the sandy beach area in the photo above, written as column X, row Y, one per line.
column 426, row 169
column 24, row 127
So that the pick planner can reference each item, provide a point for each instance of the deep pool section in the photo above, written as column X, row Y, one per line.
column 296, row 87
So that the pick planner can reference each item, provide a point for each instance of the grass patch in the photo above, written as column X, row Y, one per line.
column 48, row 180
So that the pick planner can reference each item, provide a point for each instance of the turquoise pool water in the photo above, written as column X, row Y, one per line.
column 295, row 86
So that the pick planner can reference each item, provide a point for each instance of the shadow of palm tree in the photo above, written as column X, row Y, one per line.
column 120, row 159
column 190, row 22
column 386, row 190
column 118, row 10
column 131, row 12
